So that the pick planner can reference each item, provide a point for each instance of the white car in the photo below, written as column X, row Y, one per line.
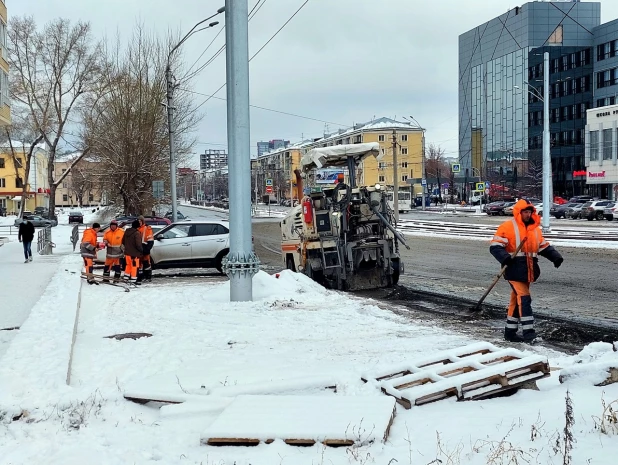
column 185, row 244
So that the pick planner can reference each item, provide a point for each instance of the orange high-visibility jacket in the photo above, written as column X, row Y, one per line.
column 524, row 267
column 88, row 247
column 113, row 241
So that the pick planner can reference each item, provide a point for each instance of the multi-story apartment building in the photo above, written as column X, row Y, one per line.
column 213, row 159
column 279, row 165
column 81, row 187
column 13, row 174
column 275, row 144
column 5, row 111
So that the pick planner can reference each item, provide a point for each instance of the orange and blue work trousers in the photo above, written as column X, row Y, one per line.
column 132, row 267
column 520, row 311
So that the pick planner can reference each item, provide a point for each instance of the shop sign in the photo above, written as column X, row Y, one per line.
column 579, row 173
column 600, row 174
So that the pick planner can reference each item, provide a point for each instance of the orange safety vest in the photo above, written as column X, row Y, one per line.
column 88, row 247
column 146, row 233
column 113, row 240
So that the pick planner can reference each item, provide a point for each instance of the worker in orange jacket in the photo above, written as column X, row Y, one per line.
column 115, row 252
column 523, row 269
column 88, row 250
column 145, row 269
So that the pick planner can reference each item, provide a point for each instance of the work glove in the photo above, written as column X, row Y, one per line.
column 507, row 261
column 558, row 262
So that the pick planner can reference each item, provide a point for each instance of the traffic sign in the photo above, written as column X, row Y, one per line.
column 487, row 184
column 480, row 186
column 455, row 167
column 269, row 189
column 157, row 189
column 424, row 182
column 269, row 182
column 445, row 185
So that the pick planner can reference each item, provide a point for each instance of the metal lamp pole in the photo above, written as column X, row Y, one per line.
column 546, row 147
column 241, row 264
column 170, row 108
column 422, row 164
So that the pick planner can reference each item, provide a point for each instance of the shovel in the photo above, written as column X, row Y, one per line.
column 513, row 255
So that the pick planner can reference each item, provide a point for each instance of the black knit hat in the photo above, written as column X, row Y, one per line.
column 135, row 224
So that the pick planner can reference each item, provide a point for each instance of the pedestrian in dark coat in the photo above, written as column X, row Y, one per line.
column 26, row 236
column 132, row 243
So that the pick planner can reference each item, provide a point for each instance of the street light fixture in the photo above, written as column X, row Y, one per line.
column 170, row 106
column 546, row 136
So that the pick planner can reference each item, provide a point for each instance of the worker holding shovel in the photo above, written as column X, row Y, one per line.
column 517, row 245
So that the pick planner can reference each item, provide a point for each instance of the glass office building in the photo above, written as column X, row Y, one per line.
column 501, row 65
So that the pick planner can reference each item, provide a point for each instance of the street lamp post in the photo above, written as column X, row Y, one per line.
column 241, row 263
column 422, row 164
column 170, row 108
column 547, row 187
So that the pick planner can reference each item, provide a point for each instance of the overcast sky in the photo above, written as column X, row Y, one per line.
column 341, row 61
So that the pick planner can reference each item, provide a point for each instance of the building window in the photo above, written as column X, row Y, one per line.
column 594, row 145
column 65, row 185
column 404, row 138
column 2, row 182
column 90, row 198
column 404, row 178
column 380, row 178
column 358, row 139
column 381, row 165
column 381, row 138
column 18, row 183
column 1, row 162
column 404, row 164
column 607, row 144
column 404, row 150
column 65, row 198
column 18, row 161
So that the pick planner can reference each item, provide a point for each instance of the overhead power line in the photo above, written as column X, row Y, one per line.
column 270, row 109
column 256, row 53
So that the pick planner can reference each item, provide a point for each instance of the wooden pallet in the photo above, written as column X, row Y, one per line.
column 335, row 421
column 472, row 372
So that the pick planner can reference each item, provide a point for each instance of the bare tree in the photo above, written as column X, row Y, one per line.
column 436, row 166
column 127, row 129
column 54, row 69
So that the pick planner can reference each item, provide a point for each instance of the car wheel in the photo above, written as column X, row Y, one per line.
column 600, row 216
column 219, row 260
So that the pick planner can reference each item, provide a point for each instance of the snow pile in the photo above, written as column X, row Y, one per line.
column 592, row 365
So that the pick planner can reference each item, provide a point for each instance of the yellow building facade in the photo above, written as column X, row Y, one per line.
column 409, row 145
column 12, row 180
column 5, row 110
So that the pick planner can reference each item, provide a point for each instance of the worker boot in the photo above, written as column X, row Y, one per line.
column 106, row 274
column 148, row 275
column 511, row 335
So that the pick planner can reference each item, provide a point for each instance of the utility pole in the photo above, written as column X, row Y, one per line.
column 241, row 264
column 170, row 130
column 423, row 177
column 546, row 147
column 395, row 179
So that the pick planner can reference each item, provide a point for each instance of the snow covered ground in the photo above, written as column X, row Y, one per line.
column 293, row 338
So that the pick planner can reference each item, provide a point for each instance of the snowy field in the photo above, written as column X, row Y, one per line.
column 294, row 339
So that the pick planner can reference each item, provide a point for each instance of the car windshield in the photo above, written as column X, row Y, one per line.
column 181, row 230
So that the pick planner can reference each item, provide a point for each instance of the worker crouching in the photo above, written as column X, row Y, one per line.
column 523, row 268
column 114, row 253
column 132, row 243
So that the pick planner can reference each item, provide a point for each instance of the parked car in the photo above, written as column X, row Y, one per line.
column 581, row 199
column 184, row 244
column 594, row 210
column 2, row 211
column 37, row 221
column 574, row 212
column 508, row 209
column 42, row 211
column 561, row 210
column 179, row 215
column 611, row 211
column 76, row 217
column 157, row 220
column 494, row 208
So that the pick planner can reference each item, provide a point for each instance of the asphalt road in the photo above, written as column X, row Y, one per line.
column 584, row 287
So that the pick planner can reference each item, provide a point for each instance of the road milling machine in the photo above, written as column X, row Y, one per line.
column 342, row 236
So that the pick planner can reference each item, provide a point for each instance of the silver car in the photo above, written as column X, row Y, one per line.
column 37, row 221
